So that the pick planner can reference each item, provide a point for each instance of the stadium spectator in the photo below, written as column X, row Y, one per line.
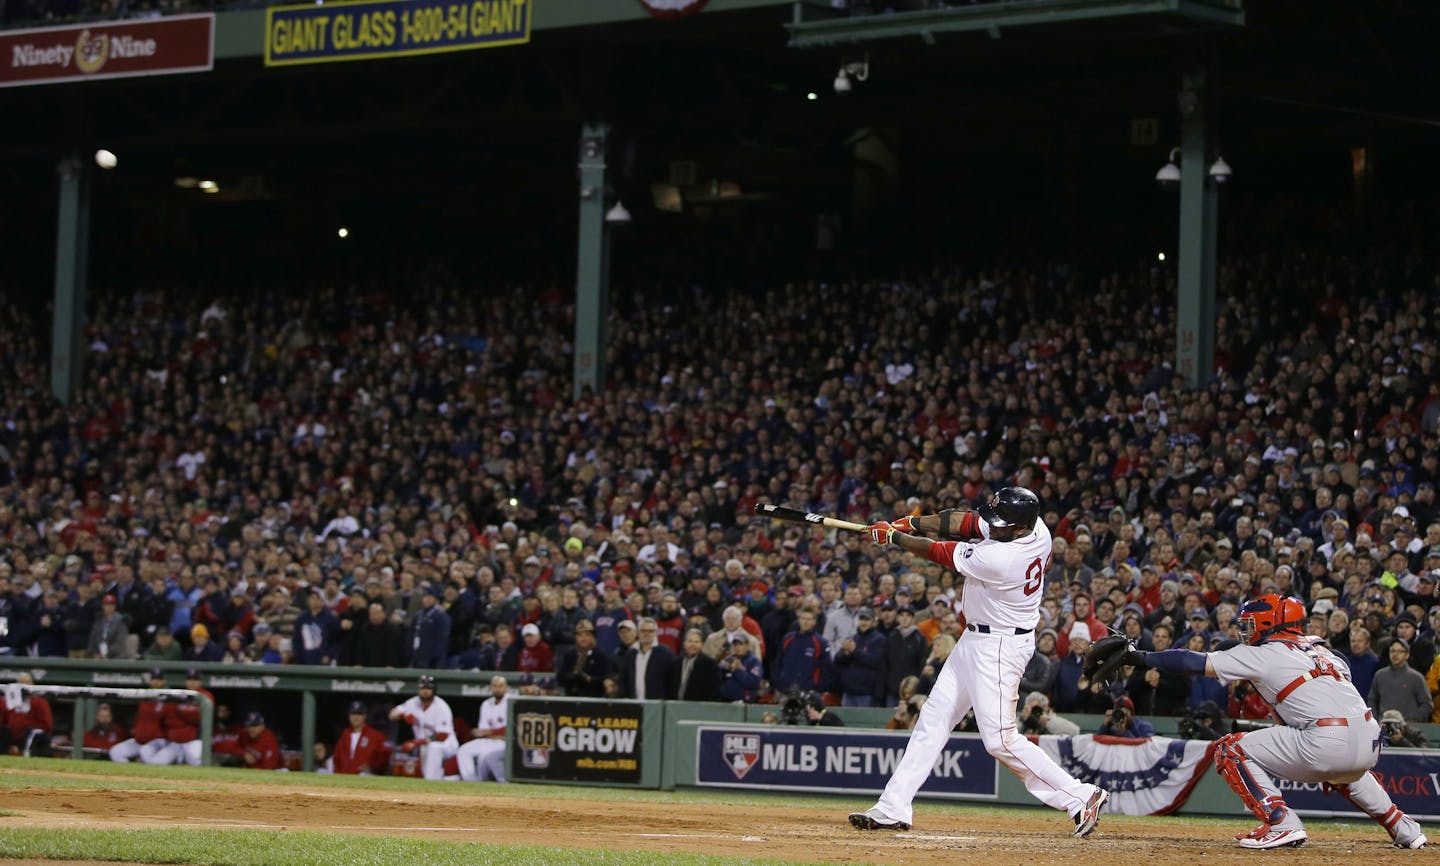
column 804, row 661
column 203, row 647
column 1363, row 661
column 905, row 651
column 733, row 625
column 50, row 639
column 535, row 655
column 258, row 747
column 163, row 647
column 1400, row 687
column 861, row 663
column 316, row 633
column 582, row 668
column 645, row 670
column 362, row 749
column 1043, row 666
column 741, row 672
column 378, row 642
column 694, row 676
column 109, row 636
column 430, row 632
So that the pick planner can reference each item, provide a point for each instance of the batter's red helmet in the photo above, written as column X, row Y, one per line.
column 1268, row 616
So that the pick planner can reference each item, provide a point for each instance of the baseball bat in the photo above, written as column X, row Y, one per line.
column 795, row 515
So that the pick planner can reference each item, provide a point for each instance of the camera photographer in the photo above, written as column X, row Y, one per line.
column 1121, row 721
column 1203, row 722
column 906, row 712
column 807, row 708
column 1398, row 734
column 1036, row 717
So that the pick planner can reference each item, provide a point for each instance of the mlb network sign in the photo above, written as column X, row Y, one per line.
column 835, row 760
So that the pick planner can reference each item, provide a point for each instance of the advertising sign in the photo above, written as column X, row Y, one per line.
column 576, row 742
column 114, row 49
column 390, row 28
column 1410, row 776
column 835, row 760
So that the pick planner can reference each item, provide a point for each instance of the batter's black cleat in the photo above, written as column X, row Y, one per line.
column 874, row 819
column 1088, row 817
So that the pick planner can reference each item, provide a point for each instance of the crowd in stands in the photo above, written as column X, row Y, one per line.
column 389, row 479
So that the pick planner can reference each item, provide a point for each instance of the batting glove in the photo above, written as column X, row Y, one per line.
column 882, row 532
column 904, row 525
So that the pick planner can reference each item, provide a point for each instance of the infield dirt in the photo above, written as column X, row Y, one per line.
column 949, row 836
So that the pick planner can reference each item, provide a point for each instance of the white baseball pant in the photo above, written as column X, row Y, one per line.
column 983, row 673
column 433, row 755
column 481, row 759
column 188, row 753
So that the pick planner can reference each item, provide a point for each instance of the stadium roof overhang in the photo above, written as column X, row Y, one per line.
column 819, row 25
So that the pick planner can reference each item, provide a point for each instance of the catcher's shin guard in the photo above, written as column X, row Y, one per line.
column 1232, row 764
column 1369, row 796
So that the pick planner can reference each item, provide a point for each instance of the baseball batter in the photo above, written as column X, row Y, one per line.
column 1328, row 736
column 434, row 727
column 484, row 756
column 1002, row 555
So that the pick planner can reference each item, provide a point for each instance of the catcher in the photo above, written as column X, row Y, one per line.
column 1328, row 735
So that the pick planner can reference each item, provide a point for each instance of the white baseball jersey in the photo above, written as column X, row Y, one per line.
column 1003, row 580
column 1303, row 680
column 1002, row 592
column 431, row 720
column 494, row 714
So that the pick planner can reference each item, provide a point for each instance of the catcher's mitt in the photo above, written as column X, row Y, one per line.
column 1107, row 655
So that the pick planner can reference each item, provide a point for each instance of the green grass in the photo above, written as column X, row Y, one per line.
column 262, row 848
column 6, row 813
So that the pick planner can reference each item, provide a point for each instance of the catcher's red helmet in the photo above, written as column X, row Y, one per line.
column 1269, row 615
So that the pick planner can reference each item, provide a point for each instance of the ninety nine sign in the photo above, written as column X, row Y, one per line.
column 153, row 46
column 372, row 29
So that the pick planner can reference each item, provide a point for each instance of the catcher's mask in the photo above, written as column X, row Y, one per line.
column 1011, row 506
column 1270, row 615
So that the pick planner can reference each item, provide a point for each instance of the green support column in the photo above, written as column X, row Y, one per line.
column 207, row 729
column 307, row 731
column 72, row 257
column 592, row 266
column 80, row 725
column 1195, row 304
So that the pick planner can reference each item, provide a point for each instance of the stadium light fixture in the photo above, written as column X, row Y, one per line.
column 343, row 233
column 617, row 214
column 1169, row 174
